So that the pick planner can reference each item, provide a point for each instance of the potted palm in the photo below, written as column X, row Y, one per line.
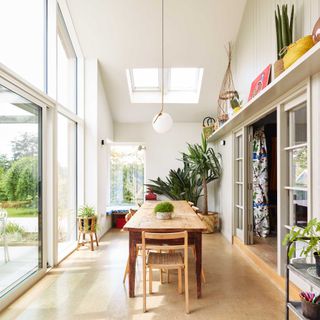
column 205, row 164
column 164, row 210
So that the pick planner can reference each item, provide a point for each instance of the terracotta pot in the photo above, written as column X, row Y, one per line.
column 316, row 32
column 278, row 68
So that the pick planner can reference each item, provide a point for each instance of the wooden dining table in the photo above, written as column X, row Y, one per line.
column 184, row 218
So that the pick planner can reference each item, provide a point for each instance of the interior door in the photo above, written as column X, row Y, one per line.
column 240, row 187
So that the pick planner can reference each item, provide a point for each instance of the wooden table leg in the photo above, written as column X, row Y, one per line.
column 198, row 247
column 132, row 263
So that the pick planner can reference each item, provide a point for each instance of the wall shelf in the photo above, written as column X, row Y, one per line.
column 306, row 66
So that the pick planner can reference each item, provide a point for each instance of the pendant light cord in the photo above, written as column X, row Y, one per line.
column 162, row 62
column 162, row 57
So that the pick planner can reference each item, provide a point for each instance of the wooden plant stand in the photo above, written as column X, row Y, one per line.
column 87, row 226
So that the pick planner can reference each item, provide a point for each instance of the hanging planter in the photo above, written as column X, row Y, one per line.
column 227, row 92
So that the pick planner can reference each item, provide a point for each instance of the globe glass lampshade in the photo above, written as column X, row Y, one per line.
column 162, row 122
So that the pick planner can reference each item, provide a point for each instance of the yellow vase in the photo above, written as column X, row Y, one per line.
column 236, row 109
column 296, row 50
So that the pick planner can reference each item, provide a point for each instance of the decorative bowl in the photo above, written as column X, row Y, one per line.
column 164, row 215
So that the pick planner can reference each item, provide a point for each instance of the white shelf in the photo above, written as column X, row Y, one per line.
column 306, row 66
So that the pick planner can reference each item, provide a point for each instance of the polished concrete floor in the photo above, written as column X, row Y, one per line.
column 88, row 285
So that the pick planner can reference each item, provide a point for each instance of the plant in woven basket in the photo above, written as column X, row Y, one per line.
column 284, row 29
column 86, row 212
column 204, row 163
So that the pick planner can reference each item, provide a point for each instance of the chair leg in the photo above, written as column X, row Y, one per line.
column 91, row 242
column 150, row 280
column 180, row 281
column 168, row 275
column 161, row 276
column 186, row 289
column 126, row 271
column 203, row 276
column 83, row 238
column 96, row 239
column 144, row 276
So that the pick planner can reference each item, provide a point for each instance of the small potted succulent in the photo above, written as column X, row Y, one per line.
column 164, row 210
column 310, row 235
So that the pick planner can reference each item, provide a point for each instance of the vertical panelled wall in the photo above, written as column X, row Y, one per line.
column 254, row 49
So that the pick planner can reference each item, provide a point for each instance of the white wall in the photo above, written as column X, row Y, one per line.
column 98, row 126
column 254, row 49
column 256, row 45
column 162, row 150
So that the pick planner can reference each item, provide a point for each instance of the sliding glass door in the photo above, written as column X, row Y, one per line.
column 20, row 189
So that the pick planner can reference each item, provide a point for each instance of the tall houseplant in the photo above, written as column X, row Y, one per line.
column 180, row 184
column 205, row 164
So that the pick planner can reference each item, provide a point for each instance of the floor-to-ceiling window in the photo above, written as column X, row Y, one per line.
column 67, row 139
column 20, row 189
column 22, row 39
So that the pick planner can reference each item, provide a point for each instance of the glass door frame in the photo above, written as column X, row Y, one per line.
column 240, row 162
column 14, row 84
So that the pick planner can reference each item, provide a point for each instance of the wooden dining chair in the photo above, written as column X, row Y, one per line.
column 168, row 260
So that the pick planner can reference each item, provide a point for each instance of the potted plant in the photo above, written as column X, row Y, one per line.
column 180, row 184
column 310, row 235
column 205, row 164
column 284, row 30
column 164, row 210
column 87, row 217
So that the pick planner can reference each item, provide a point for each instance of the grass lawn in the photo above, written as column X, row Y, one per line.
column 22, row 212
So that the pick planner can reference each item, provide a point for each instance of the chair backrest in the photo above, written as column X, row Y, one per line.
column 183, row 235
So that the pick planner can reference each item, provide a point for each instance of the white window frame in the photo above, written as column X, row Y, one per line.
column 297, row 97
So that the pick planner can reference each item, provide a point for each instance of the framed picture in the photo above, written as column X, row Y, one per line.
column 260, row 82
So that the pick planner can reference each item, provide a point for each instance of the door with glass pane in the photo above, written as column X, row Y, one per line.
column 240, row 186
column 297, row 159
column 20, row 189
column 67, row 185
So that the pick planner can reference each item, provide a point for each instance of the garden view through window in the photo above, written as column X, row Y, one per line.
column 127, row 174
column 20, row 196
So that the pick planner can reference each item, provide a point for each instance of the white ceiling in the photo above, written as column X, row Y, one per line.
column 127, row 34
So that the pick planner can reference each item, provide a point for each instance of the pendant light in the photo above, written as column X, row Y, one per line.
column 162, row 122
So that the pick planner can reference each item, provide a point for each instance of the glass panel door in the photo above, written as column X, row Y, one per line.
column 239, row 184
column 20, row 189
column 67, row 185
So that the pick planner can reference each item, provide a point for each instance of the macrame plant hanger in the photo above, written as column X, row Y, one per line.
column 227, row 91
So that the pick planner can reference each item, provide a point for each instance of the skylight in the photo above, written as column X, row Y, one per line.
column 181, row 85
column 145, row 79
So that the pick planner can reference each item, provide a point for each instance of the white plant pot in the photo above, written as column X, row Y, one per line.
column 164, row 215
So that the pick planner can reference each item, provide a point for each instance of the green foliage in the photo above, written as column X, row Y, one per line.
column 204, row 163
column 164, row 207
column 284, row 29
column 86, row 212
column 25, row 145
column 203, row 160
column 22, row 212
column 12, row 228
column 311, row 232
column 180, row 184
column 21, row 180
